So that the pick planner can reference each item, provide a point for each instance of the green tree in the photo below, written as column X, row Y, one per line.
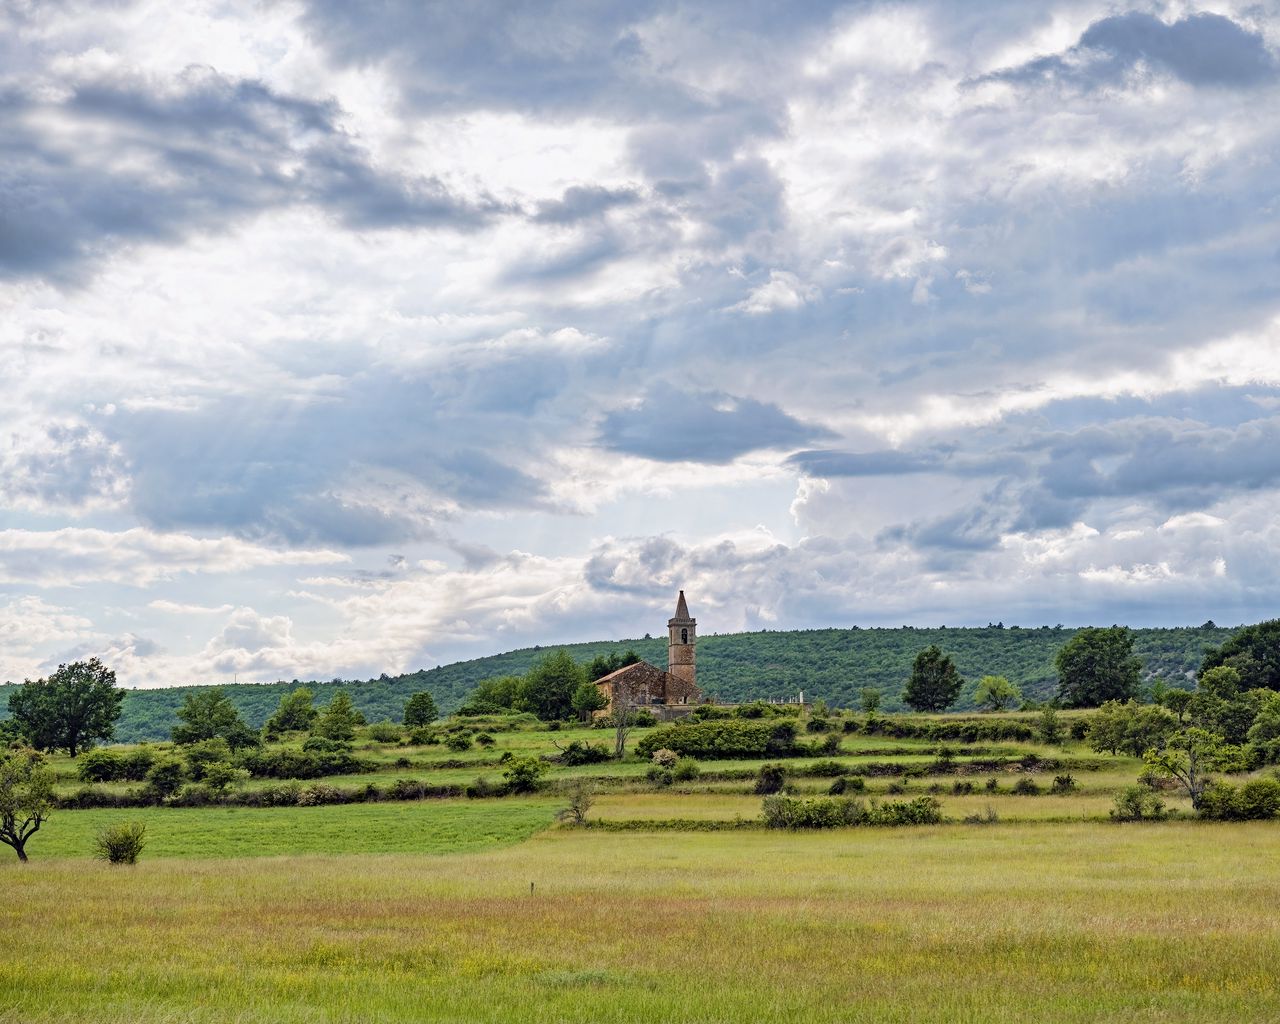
column 296, row 712
column 995, row 693
column 75, row 706
column 548, row 688
column 26, row 798
column 1098, row 665
column 420, row 709
column 165, row 777
column 869, row 698
column 934, row 684
column 339, row 719
column 1177, row 702
column 587, row 699
column 522, row 773
column 1129, row 727
column 601, row 665
column 1254, row 652
column 1049, row 728
column 1190, row 755
column 1264, row 733
column 206, row 714
column 495, row 694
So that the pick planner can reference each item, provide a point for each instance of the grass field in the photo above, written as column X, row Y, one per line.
column 1014, row 922
column 435, row 826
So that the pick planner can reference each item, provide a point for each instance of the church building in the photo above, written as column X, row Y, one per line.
column 668, row 694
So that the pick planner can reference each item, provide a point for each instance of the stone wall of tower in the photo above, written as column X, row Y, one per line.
column 682, row 650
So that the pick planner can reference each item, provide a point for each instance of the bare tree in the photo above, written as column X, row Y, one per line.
column 624, row 704
column 581, row 797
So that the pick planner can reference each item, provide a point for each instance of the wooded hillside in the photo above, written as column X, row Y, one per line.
column 832, row 664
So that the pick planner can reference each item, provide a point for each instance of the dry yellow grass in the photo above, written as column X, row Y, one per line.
column 1062, row 923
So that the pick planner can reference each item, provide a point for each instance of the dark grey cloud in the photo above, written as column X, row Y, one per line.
column 882, row 463
column 1200, row 49
column 671, row 425
column 583, row 202
column 157, row 162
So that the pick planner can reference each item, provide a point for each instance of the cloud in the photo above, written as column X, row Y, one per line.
column 113, row 160
column 134, row 557
column 783, row 290
column 1201, row 49
column 672, row 425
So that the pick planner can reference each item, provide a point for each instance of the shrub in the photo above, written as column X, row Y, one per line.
column 459, row 742
column 896, row 788
column 826, row 769
column 665, row 758
column 835, row 812
column 730, row 738
column 993, row 785
column 1026, row 787
column 660, row 776
column 137, row 763
column 322, row 745
column 581, row 797
column 100, row 766
column 987, row 817
column 313, row 764
column 847, row 784
column 122, row 843
column 1257, row 799
column 1063, row 784
column 770, row 779
column 485, row 740
column 577, row 753
column 318, row 794
column 962, row 788
column 219, row 776
column 686, row 770
column 1079, row 728
column 204, row 753
column 165, row 776
column 523, row 774
column 482, row 787
column 1138, row 803
column 384, row 732
column 817, row 725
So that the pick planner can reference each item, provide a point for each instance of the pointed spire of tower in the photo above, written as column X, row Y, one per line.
column 682, row 609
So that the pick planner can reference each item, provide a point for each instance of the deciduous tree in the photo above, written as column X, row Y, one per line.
column 995, row 693
column 71, row 709
column 26, row 798
column 296, row 712
column 206, row 714
column 934, row 684
column 420, row 709
column 1098, row 665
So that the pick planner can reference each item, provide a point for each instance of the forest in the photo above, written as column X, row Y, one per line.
column 828, row 664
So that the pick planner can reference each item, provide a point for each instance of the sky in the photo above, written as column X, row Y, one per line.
column 340, row 339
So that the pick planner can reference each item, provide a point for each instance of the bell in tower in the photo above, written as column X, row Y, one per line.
column 682, row 633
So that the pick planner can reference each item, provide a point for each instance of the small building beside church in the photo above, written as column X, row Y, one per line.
column 669, row 694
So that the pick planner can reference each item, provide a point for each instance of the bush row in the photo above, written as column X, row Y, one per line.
column 966, row 730
column 734, row 738
column 842, row 811
column 287, row 794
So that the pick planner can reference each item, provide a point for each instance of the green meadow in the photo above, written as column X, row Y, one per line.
column 675, row 903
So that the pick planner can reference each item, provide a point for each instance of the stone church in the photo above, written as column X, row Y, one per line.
column 669, row 694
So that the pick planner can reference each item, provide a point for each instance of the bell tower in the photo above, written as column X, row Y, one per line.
column 682, row 639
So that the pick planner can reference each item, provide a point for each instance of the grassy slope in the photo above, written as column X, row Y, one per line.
column 1063, row 923
column 830, row 663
